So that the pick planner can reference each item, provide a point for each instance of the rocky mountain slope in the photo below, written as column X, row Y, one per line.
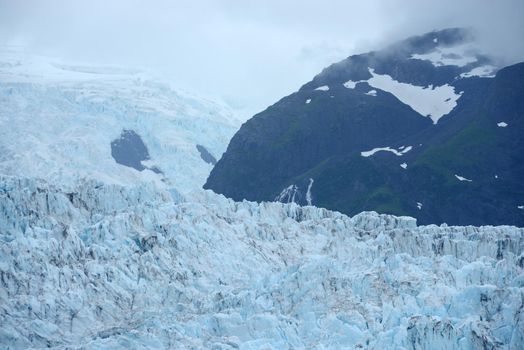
column 428, row 127
column 106, row 266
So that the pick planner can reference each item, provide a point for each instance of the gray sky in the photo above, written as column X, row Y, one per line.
column 249, row 53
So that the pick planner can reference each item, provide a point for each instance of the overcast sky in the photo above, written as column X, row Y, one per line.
column 249, row 53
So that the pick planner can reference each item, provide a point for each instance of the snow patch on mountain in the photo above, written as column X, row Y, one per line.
column 502, row 124
column 432, row 102
column 461, row 178
column 288, row 194
column 350, row 84
column 402, row 150
column 309, row 197
column 106, row 266
column 486, row 71
column 323, row 88
column 459, row 55
column 378, row 149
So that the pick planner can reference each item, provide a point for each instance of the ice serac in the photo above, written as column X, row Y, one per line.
column 109, row 266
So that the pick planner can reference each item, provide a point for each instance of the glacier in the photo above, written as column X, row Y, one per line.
column 140, row 266
column 58, row 120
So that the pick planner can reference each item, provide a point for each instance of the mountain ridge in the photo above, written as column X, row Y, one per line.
column 364, row 105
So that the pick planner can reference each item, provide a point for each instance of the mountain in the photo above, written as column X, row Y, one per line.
column 427, row 127
column 131, row 267
column 67, row 121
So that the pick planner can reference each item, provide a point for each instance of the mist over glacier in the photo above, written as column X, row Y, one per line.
column 248, row 53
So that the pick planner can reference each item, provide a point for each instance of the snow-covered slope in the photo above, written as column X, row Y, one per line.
column 57, row 122
column 105, row 266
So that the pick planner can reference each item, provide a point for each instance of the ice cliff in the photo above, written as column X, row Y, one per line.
column 137, row 267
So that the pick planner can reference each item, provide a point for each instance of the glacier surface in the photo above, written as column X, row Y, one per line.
column 58, row 120
column 140, row 267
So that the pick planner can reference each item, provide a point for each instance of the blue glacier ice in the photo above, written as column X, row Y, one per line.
column 110, row 266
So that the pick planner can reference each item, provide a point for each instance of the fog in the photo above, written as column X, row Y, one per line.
column 248, row 53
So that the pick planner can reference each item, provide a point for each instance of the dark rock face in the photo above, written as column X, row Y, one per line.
column 130, row 150
column 205, row 155
column 318, row 134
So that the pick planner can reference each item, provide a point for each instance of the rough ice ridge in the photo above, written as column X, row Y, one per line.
column 107, row 266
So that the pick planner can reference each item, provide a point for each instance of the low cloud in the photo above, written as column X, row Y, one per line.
column 250, row 53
